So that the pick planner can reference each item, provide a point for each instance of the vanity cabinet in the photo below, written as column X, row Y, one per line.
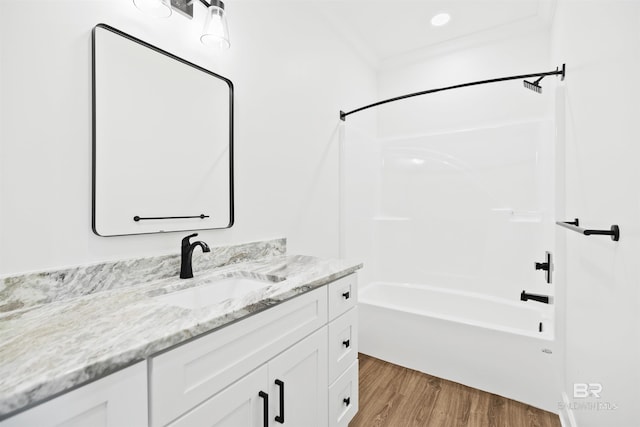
column 119, row 399
column 299, row 357
column 294, row 364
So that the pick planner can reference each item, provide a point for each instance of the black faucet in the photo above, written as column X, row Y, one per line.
column 524, row 296
column 186, row 271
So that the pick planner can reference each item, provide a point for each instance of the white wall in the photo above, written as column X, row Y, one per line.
column 600, row 42
column 291, row 78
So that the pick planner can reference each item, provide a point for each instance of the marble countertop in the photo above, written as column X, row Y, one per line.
column 51, row 347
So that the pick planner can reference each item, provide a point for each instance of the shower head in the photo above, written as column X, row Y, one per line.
column 535, row 86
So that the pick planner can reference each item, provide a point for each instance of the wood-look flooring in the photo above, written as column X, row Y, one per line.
column 394, row 396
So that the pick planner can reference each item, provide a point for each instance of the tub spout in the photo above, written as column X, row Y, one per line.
column 546, row 299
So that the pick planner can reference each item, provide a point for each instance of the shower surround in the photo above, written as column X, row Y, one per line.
column 450, row 230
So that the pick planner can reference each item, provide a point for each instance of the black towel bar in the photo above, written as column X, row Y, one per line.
column 574, row 225
column 139, row 218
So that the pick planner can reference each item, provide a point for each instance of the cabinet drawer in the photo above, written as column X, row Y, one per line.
column 343, row 294
column 191, row 373
column 343, row 343
column 343, row 398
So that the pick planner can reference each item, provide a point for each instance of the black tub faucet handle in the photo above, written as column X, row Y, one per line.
column 545, row 266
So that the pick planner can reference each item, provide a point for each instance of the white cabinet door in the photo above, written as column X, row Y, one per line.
column 298, row 384
column 240, row 405
column 293, row 385
column 119, row 399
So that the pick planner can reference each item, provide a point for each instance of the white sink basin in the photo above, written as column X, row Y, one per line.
column 214, row 292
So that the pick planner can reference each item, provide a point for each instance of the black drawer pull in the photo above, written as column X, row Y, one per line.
column 346, row 295
column 280, row 418
column 346, row 343
column 265, row 410
column 347, row 401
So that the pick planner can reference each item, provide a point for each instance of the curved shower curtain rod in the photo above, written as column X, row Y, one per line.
column 529, row 85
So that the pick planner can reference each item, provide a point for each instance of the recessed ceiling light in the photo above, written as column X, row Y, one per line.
column 440, row 19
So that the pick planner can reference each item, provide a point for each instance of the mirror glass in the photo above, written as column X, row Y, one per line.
column 162, row 140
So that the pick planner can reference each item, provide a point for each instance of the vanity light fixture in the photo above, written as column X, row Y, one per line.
column 215, row 32
column 440, row 19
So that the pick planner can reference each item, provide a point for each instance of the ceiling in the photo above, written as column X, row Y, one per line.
column 383, row 31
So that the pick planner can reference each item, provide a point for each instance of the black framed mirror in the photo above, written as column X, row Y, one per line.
column 162, row 140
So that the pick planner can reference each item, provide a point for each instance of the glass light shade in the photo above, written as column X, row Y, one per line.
column 440, row 19
column 157, row 8
column 215, row 32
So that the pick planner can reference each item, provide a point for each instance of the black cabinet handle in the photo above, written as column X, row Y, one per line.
column 347, row 401
column 280, row 418
column 265, row 410
column 346, row 343
column 346, row 295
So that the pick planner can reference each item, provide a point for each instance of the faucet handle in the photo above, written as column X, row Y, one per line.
column 186, row 242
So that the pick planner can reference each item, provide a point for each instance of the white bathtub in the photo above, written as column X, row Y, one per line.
column 483, row 342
